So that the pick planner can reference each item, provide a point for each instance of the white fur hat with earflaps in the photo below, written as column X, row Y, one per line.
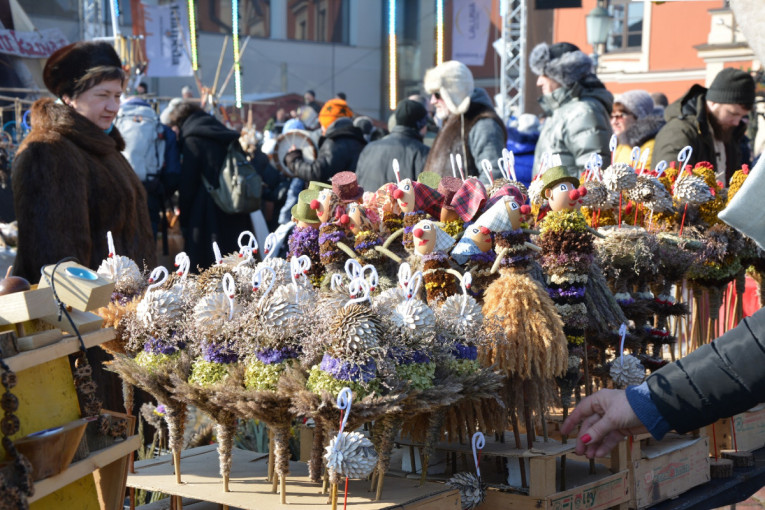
column 454, row 82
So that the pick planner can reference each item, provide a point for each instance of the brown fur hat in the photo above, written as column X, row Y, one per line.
column 68, row 64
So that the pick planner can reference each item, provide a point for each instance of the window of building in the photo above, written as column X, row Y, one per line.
column 254, row 17
column 627, row 30
column 318, row 20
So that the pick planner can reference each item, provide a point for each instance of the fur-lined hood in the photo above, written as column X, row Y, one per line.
column 642, row 130
column 51, row 119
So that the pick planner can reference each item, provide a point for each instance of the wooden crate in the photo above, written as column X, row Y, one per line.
column 609, row 486
column 612, row 490
column 743, row 432
column 664, row 469
column 80, row 294
column 23, row 306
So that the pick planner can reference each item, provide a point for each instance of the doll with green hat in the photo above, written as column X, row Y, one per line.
column 568, row 251
column 304, row 239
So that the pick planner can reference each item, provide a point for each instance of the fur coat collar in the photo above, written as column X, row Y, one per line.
column 643, row 130
column 71, row 185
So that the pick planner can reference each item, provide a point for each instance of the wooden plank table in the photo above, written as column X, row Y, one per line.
column 249, row 489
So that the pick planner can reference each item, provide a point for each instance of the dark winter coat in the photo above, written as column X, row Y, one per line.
column 71, row 186
column 375, row 165
column 577, row 125
column 715, row 381
column 687, row 124
column 484, row 137
column 339, row 151
column 204, row 142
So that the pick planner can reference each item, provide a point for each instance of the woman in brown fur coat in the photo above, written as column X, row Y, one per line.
column 71, row 184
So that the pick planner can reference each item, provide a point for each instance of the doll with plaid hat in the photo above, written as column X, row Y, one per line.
column 418, row 202
column 430, row 255
column 503, row 215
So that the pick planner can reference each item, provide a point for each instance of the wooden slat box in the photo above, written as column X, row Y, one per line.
column 743, row 432
column 79, row 293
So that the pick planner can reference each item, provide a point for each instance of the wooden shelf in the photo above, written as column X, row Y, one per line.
column 64, row 347
column 86, row 466
column 249, row 490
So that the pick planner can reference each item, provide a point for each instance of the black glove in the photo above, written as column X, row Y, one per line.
column 291, row 156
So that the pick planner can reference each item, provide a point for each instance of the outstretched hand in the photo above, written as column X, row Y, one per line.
column 606, row 418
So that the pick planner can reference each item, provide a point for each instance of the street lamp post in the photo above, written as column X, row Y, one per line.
column 598, row 26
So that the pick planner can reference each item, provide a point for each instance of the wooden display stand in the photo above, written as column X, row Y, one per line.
column 664, row 469
column 249, row 489
column 743, row 432
column 47, row 398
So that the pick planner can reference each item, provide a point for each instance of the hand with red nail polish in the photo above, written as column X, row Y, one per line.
column 606, row 418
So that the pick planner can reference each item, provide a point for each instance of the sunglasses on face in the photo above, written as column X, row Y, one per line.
column 437, row 96
column 620, row 115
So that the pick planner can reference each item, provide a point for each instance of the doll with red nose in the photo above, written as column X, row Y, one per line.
column 561, row 190
column 503, row 213
column 331, row 232
column 418, row 202
column 430, row 254
column 366, row 237
column 567, row 255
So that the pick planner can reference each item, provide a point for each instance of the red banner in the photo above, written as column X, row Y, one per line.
column 39, row 44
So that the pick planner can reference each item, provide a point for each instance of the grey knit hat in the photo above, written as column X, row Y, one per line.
column 732, row 86
column 563, row 62
column 637, row 102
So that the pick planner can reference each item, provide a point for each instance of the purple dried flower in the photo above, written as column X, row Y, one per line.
column 303, row 241
column 407, row 357
column 332, row 237
column 462, row 351
column 484, row 258
column 345, row 371
column 220, row 353
column 570, row 292
column 273, row 356
column 159, row 346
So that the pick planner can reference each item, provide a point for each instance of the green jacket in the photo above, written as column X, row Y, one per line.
column 716, row 380
column 687, row 124
column 577, row 125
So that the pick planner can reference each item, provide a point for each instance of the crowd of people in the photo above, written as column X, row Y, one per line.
column 72, row 185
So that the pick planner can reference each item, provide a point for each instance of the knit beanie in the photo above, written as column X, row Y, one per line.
column 67, row 65
column 333, row 110
column 732, row 86
column 410, row 113
column 637, row 102
column 563, row 62
column 454, row 82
